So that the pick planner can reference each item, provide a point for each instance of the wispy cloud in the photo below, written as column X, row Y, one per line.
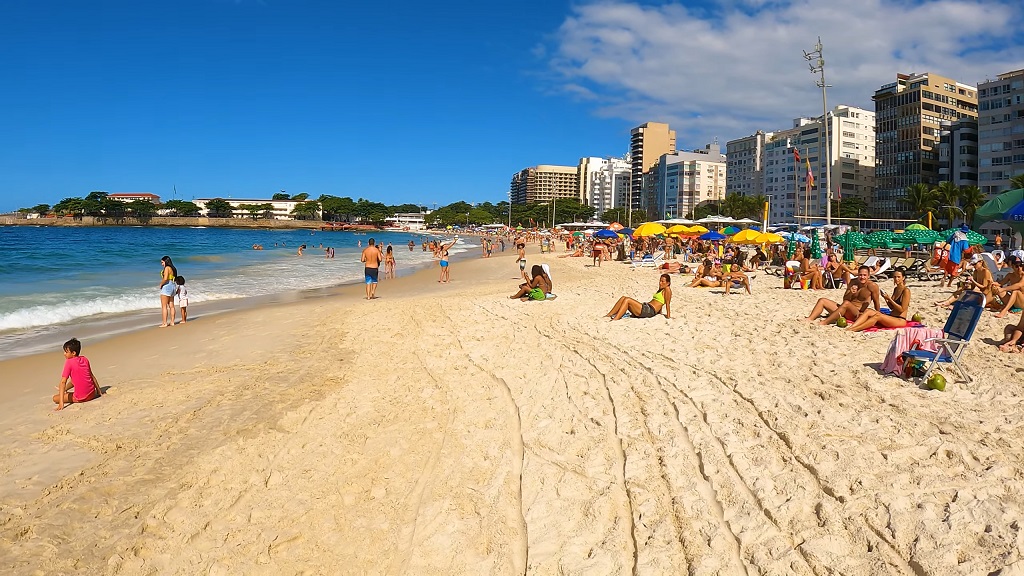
column 736, row 66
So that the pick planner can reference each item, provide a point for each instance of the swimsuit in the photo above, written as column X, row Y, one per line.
column 647, row 311
column 444, row 263
column 371, row 275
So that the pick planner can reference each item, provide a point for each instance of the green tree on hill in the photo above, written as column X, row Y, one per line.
column 181, row 208
column 280, row 196
column 300, row 197
column 142, row 209
column 306, row 210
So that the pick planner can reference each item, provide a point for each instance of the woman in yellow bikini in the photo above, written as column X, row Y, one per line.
column 661, row 300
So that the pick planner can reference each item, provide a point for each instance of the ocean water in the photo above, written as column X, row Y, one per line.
column 55, row 277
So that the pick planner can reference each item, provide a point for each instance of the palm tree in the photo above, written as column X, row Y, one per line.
column 1017, row 182
column 972, row 199
column 920, row 200
column 949, row 197
column 758, row 205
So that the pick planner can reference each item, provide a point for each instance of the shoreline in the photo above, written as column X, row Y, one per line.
column 532, row 437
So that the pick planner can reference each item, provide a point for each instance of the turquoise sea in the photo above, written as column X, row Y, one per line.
column 54, row 280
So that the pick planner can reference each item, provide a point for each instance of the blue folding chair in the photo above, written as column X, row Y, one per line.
column 958, row 330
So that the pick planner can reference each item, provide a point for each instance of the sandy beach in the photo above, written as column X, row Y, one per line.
column 445, row 429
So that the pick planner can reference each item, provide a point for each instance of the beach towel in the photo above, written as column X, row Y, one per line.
column 910, row 324
column 908, row 339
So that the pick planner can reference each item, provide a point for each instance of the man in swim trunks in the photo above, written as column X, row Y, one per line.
column 371, row 263
column 859, row 293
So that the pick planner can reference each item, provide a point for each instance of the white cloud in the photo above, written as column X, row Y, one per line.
column 736, row 66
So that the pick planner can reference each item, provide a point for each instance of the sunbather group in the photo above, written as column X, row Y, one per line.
column 862, row 292
column 538, row 288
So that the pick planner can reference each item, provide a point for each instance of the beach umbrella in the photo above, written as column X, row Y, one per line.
column 794, row 236
column 880, row 238
column 746, row 237
column 577, row 233
column 615, row 226
column 850, row 241
column 712, row 236
column 649, row 229
column 920, row 235
column 917, row 226
column 698, row 229
column 973, row 238
column 605, row 234
column 815, row 247
column 791, row 247
column 769, row 238
column 729, row 230
column 626, row 231
column 1006, row 207
column 678, row 229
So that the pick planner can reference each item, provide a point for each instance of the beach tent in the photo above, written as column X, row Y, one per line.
column 1007, row 207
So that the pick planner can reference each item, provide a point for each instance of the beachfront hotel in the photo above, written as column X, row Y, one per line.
column 544, row 182
column 686, row 179
column 745, row 164
column 851, row 135
column 908, row 126
column 647, row 144
column 133, row 196
column 604, row 182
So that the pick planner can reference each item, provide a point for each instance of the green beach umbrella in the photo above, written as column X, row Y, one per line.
column 917, row 226
column 791, row 246
column 973, row 238
column 997, row 208
column 880, row 238
column 920, row 235
column 815, row 246
column 850, row 241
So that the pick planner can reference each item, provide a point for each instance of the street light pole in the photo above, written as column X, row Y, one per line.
column 818, row 67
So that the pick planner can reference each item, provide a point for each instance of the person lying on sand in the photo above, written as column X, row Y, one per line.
column 673, row 267
column 661, row 300
column 577, row 254
column 860, row 292
column 899, row 304
column 1012, row 337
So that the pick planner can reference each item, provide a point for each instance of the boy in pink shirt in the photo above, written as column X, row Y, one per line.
column 77, row 373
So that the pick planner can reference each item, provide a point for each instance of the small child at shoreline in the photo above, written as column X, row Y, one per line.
column 77, row 376
column 182, row 297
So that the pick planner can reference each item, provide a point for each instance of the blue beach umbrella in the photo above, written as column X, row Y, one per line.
column 605, row 234
column 712, row 236
column 626, row 231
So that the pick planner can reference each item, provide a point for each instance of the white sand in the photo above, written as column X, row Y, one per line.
column 445, row 429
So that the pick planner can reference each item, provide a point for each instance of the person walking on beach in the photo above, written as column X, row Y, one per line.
column 77, row 382
column 371, row 263
column 167, row 290
column 521, row 258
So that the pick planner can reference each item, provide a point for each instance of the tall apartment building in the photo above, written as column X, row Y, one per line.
column 958, row 152
column 544, row 182
column 908, row 117
column 685, row 179
column 745, row 165
column 851, row 132
column 647, row 143
column 1000, row 131
column 604, row 182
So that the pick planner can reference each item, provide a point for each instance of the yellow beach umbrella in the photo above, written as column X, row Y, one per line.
column 678, row 229
column 698, row 229
column 745, row 237
column 648, row 229
column 769, row 238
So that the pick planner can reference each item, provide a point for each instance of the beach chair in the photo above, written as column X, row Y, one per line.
column 881, row 274
column 915, row 266
column 958, row 330
column 990, row 262
column 648, row 261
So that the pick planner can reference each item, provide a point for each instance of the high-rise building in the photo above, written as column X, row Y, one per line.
column 745, row 166
column 686, row 179
column 647, row 143
column 1000, row 138
column 1000, row 131
column 958, row 152
column 851, row 132
column 908, row 117
column 604, row 182
column 544, row 182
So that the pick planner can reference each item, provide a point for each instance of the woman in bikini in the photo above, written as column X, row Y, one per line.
column 167, row 290
column 442, row 253
column 536, row 289
column 899, row 304
column 389, row 263
column 661, row 300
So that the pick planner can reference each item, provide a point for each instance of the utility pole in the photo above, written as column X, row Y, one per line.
column 817, row 65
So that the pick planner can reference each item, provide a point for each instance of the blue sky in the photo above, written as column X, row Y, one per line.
column 428, row 102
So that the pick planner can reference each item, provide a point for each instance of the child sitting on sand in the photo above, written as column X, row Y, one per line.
column 77, row 376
